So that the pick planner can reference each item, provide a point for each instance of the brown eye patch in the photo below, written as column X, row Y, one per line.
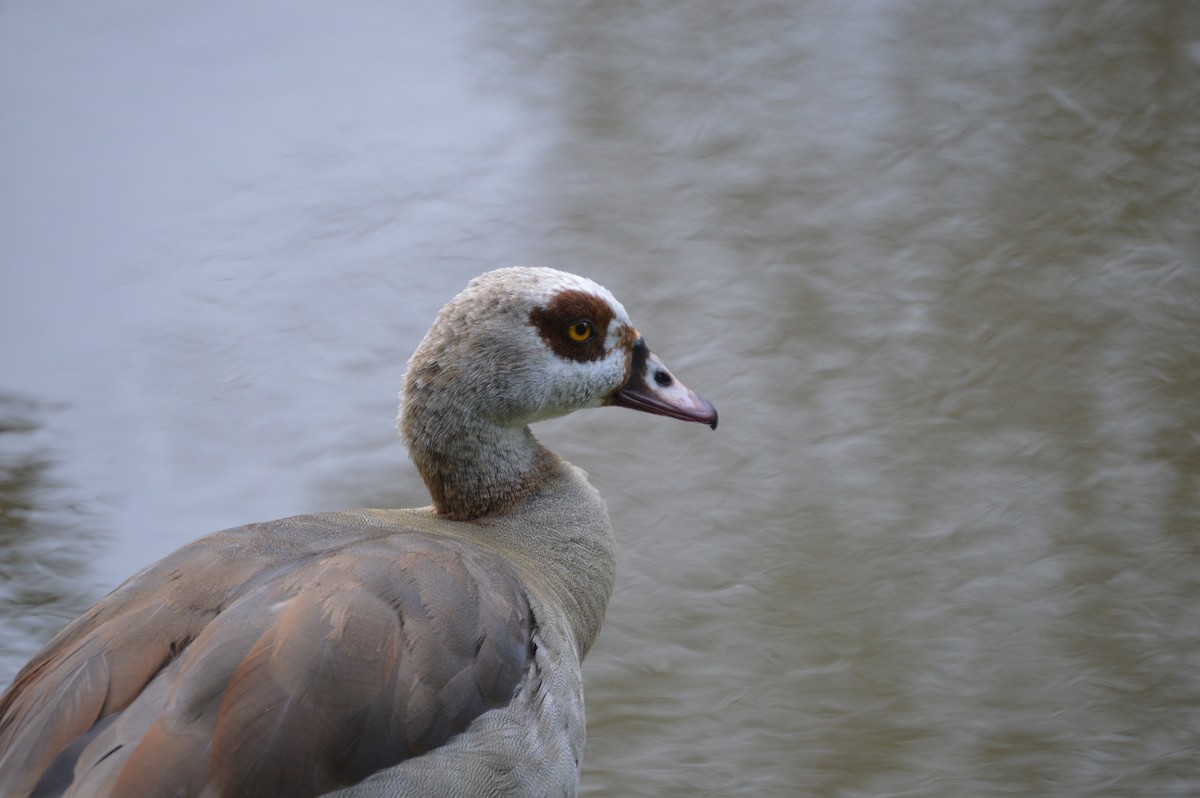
column 574, row 324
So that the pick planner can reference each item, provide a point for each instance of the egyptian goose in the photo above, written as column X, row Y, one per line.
column 431, row 651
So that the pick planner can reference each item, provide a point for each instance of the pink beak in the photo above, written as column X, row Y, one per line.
column 651, row 388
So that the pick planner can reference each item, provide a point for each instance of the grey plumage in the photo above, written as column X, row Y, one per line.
column 373, row 652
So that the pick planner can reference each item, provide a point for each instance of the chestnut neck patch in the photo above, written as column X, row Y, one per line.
column 566, row 308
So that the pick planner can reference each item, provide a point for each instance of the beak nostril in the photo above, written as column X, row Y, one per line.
column 662, row 378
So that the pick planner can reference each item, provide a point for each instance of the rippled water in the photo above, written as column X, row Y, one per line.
column 937, row 264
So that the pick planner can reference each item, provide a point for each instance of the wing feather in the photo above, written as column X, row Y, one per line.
column 302, row 671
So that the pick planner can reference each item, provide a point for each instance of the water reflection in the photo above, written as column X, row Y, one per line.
column 45, row 543
column 944, row 268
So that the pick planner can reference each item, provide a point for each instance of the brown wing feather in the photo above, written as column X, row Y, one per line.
column 284, row 671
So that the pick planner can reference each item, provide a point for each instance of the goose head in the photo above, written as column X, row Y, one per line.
column 517, row 346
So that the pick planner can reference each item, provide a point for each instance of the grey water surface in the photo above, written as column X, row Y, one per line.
column 936, row 263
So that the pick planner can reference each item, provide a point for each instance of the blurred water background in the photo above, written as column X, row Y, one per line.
column 936, row 263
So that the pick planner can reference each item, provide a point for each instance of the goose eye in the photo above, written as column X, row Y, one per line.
column 581, row 331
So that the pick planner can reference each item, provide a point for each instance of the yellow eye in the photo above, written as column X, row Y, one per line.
column 580, row 331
